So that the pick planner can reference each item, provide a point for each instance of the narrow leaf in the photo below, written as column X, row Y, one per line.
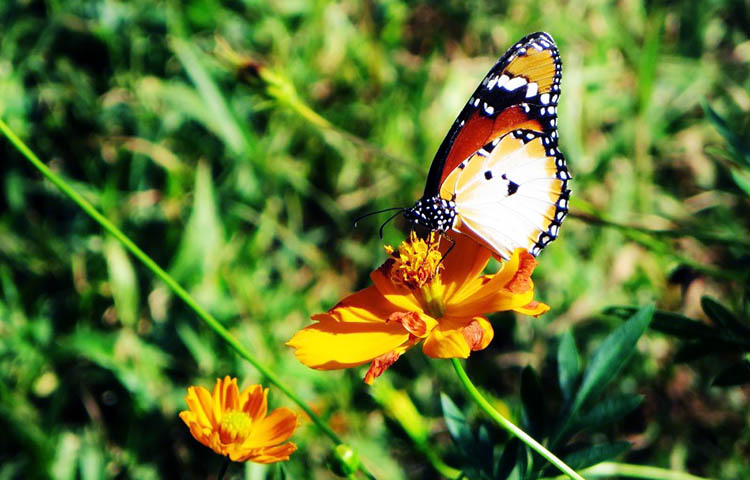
column 723, row 317
column 604, row 413
column 737, row 374
column 611, row 355
column 740, row 149
column 695, row 350
column 567, row 364
column 532, row 397
column 122, row 282
column 455, row 420
column 670, row 323
column 594, row 454
column 485, row 451
column 507, row 460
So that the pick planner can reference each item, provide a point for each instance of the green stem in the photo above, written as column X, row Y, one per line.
column 508, row 425
column 210, row 320
column 614, row 469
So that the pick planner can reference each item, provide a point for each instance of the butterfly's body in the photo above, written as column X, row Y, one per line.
column 498, row 176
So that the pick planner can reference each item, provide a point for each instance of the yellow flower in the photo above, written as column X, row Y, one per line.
column 418, row 294
column 235, row 424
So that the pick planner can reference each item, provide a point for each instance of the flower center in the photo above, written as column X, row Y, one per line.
column 234, row 426
column 417, row 266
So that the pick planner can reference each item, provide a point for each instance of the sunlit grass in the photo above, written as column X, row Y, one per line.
column 246, row 194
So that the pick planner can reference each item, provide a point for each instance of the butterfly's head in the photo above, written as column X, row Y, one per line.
column 434, row 213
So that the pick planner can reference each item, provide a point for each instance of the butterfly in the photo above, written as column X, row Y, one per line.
column 499, row 177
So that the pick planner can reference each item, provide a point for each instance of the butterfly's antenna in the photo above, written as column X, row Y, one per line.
column 380, row 231
column 356, row 220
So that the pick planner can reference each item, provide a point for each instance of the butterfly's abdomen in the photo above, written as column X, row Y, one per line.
column 434, row 213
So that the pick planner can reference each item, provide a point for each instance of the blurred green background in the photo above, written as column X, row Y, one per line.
column 248, row 199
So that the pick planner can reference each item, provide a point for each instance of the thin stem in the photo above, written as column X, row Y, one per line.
column 508, row 425
column 209, row 319
column 610, row 469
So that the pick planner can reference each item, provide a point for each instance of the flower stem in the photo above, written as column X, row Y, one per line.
column 508, row 425
column 209, row 319
column 615, row 469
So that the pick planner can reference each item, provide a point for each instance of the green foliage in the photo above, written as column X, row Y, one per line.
column 244, row 187
column 583, row 411
column 726, row 334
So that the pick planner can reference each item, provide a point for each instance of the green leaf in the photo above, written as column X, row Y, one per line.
column 567, row 364
column 604, row 413
column 611, row 356
column 695, row 350
column 594, row 454
column 723, row 317
column 737, row 374
column 670, row 323
column 457, row 426
column 507, row 460
column 532, row 397
column 740, row 150
column 122, row 282
column 485, row 450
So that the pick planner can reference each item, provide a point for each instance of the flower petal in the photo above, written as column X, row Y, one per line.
column 331, row 344
column 254, row 401
column 508, row 289
column 380, row 365
column 400, row 297
column 270, row 454
column 201, row 406
column 447, row 340
column 533, row 308
column 478, row 333
column 272, row 430
column 466, row 261
column 366, row 305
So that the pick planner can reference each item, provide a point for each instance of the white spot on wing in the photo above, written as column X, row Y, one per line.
column 532, row 89
column 514, row 83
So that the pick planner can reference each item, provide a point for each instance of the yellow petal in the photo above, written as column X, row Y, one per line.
column 464, row 263
column 366, row 305
column 255, row 401
column 400, row 297
column 478, row 333
column 200, row 403
column 272, row 430
column 330, row 344
column 533, row 308
column 270, row 454
column 446, row 341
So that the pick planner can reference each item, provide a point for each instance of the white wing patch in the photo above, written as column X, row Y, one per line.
column 512, row 194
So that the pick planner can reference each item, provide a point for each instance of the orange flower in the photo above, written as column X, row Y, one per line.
column 416, row 297
column 235, row 423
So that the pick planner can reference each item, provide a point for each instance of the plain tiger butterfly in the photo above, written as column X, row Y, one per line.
column 498, row 177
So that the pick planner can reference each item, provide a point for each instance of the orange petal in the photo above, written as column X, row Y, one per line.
column 447, row 340
column 366, row 305
column 398, row 296
column 478, row 333
column 200, row 403
column 330, row 344
column 271, row 454
column 465, row 262
column 521, row 280
column 272, row 430
column 533, row 308
column 255, row 401
column 380, row 365
column 414, row 323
